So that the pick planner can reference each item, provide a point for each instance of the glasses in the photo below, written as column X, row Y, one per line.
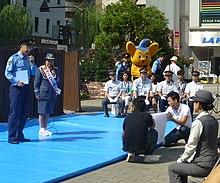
column 195, row 75
column 168, row 75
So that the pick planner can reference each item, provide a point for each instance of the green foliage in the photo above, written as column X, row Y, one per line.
column 119, row 23
column 86, row 25
column 15, row 25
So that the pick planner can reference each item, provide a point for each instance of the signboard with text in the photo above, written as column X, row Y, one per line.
column 176, row 40
column 210, row 12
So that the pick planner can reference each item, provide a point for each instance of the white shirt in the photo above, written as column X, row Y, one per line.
column 165, row 87
column 113, row 87
column 174, row 68
column 192, row 88
column 142, row 87
column 195, row 133
column 154, row 88
column 183, row 110
column 126, row 87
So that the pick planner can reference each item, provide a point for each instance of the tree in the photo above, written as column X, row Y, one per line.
column 15, row 25
column 124, row 21
column 86, row 25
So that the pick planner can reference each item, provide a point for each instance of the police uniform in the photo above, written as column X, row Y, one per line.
column 164, row 88
column 44, row 90
column 191, row 89
column 113, row 88
column 18, row 66
column 142, row 88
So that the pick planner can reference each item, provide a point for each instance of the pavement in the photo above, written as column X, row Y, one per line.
column 138, row 172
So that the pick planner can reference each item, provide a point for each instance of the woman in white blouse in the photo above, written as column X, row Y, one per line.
column 153, row 94
column 126, row 91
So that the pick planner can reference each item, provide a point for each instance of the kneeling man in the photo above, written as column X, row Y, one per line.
column 180, row 114
column 139, row 135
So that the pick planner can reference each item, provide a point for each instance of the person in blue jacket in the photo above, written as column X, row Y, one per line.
column 20, row 66
column 46, row 91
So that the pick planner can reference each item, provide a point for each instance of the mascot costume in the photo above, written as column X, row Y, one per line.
column 141, row 56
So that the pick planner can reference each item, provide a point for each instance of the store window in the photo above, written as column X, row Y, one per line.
column 36, row 24
column 47, row 26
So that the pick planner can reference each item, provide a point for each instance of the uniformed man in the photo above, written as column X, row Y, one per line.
column 125, row 67
column 164, row 88
column 142, row 87
column 19, row 68
column 192, row 88
column 113, row 91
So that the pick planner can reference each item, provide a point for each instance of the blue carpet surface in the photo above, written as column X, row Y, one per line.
column 81, row 143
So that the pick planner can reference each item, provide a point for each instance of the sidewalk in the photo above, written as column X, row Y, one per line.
column 123, row 172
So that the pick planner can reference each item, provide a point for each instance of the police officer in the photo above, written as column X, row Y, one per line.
column 125, row 67
column 142, row 87
column 46, row 92
column 113, row 91
column 19, row 68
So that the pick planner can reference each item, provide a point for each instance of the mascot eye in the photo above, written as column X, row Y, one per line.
column 139, row 56
column 146, row 56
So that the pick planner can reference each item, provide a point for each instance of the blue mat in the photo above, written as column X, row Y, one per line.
column 81, row 143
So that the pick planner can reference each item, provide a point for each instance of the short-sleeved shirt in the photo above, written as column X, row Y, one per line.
column 174, row 68
column 166, row 87
column 183, row 110
column 192, row 88
column 142, row 87
column 126, row 87
column 135, row 129
column 181, row 86
column 17, row 63
column 113, row 88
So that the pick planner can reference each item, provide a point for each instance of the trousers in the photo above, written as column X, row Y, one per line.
column 18, row 113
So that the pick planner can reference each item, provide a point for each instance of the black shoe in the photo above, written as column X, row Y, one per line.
column 14, row 142
column 106, row 115
column 119, row 116
column 24, row 140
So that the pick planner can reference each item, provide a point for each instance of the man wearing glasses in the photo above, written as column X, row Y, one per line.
column 164, row 88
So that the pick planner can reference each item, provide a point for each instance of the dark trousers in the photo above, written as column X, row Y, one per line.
column 120, row 102
column 152, row 138
column 178, row 172
column 191, row 106
column 163, row 105
column 175, row 135
column 19, row 97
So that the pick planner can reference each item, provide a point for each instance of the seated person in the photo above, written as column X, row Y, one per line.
column 192, row 88
column 164, row 88
column 200, row 153
column 113, row 93
column 153, row 93
column 180, row 114
column 139, row 135
column 142, row 87
column 181, row 85
column 126, row 91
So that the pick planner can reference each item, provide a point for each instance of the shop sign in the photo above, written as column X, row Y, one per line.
column 204, row 38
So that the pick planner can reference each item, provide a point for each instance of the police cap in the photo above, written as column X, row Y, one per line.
column 26, row 42
column 143, row 70
column 49, row 56
column 111, row 72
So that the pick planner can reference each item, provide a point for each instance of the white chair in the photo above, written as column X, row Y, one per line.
column 115, row 109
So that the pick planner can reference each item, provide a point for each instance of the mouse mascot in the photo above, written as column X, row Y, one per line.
column 141, row 56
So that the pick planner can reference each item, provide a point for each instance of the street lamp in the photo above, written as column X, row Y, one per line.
column 45, row 8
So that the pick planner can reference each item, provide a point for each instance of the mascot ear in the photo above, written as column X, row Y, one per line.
column 130, row 47
column 153, row 49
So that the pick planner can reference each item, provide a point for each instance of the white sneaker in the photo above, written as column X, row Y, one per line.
column 130, row 157
column 150, row 159
column 48, row 132
column 42, row 132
